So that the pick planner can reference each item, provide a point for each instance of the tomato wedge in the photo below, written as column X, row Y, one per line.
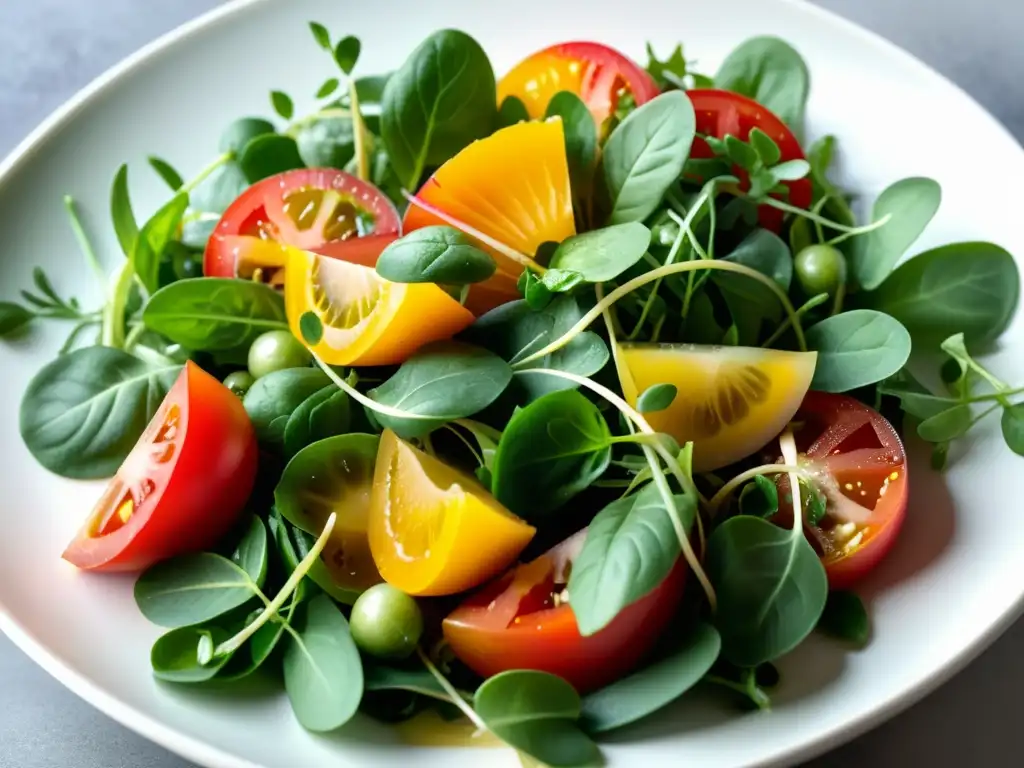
column 596, row 73
column 522, row 621
column 183, row 485
column 316, row 209
column 722, row 112
column 859, row 464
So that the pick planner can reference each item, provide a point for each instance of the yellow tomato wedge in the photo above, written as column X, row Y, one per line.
column 731, row 400
column 366, row 319
column 536, row 79
column 433, row 529
column 512, row 187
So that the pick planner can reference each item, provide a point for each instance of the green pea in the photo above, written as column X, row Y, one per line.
column 820, row 269
column 276, row 351
column 386, row 622
column 239, row 382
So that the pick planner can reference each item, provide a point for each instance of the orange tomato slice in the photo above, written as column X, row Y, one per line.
column 433, row 529
column 366, row 319
column 514, row 188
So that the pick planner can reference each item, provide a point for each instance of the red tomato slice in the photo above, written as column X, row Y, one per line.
column 861, row 467
column 183, row 485
column 308, row 208
column 521, row 622
column 723, row 112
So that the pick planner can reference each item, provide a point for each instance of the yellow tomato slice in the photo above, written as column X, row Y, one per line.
column 537, row 78
column 433, row 529
column 731, row 400
column 514, row 188
column 367, row 320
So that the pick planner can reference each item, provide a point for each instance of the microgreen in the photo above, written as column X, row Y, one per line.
column 346, row 53
column 438, row 254
column 857, row 348
column 657, row 397
column 759, row 498
column 282, row 104
column 772, row 73
column 192, row 589
column 846, row 618
column 675, row 72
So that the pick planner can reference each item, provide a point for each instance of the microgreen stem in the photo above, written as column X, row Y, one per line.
column 816, row 210
column 478, row 426
column 362, row 399
column 113, row 312
column 796, row 211
column 787, row 443
column 859, row 230
column 358, row 133
column 807, row 306
column 754, row 693
column 133, row 336
column 271, row 609
column 670, row 259
column 83, row 241
column 452, row 692
column 730, row 487
column 223, row 159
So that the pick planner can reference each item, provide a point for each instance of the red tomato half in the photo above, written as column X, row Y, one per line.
column 183, row 485
column 861, row 467
column 722, row 112
column 308, row 208
column 518, row 622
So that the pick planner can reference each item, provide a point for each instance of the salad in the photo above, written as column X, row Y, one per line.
column 532, row 401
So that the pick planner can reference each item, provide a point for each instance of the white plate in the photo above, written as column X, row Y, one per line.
column 954, row 581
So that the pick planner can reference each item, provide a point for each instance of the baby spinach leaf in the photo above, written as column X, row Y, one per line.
column 323, row 414
column 438, row 254
column 286, row 538
column 603, row 254
column 214, row 313
column 652, row 687
column 857, row 348
column 191, row 589
column 153, row 239
column 512, row 111
column 962, row 287
column 320, row 34
column 213, row 195
column 167, row 172
column 274, row 397
column 771, row 588
column 645, row 155
column 657, row 397
column 251, row 553
column 749, row 302
column 550, row 451
column 561, row 280
column 323, row 675
column 175, row 656
column 282, row 104
column 125, row 226
column 346, row 53
column 536, row 713
column 846, row 618
column 444, row 381
column 946, row 425
column 772, row 73
column 243, row 130
column 326, row 143
column 269, row 154
column 1012, row 424
column 311, row 328
column 442, row 98
column 82, row 413
column 759, row 498
column 910, row 204
column 630, row 548
column 380, row 677
column 580, row 137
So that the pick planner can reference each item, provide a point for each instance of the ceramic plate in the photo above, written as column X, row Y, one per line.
column 895, row 117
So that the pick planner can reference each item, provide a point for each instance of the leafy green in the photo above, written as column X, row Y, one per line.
column 580, row 137
column 603, row 254
column 674, row 72
column 125, row 226
column 346, row 53
column 329, row 86
column 437, row 254
column 191, row 589
column 1012, row 424
column 282, row 104
column 274, row 397
column 167, row 172
column 323, row 414
column 657, row 397
column 846, row 618
column 750, row 302
column 645, row 155
column 380, row 677
column 311, row 328
column 243, row 130
column 320, row 34
column 512, row 111
column 82, row 414
column 328, row 142
column 269, row 154
column 759, row 498
column 946, row 425
column 175, row 656
column 857, row 348
column 550, row 451
column 251, row 553
column 153, row 239
column 772, row 73
column 13, row 317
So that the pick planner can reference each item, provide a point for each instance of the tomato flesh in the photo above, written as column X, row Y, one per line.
column 315, row 209
column 182, row 487
column 721, row 113
column 522, row 621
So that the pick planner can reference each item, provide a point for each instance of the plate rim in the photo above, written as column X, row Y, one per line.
column 203, row 753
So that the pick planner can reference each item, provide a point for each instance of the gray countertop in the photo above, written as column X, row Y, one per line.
column 51, row 48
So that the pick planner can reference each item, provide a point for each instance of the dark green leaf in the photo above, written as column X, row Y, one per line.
column 512, row 111
column 326, row 143
column 82, row 414
column 772, row 73
column 174, row 656
column 442, row 98
column 750, row 302
column 274, row 397
column 561, row 280
column 320, row 34
column 536, row 293
column 1013, row 428
column 212, row 313
column 243, row 130
column 846, row 618
column 311, row 328
column 759, row 498
column 645, row 154
column 946, row 425
column 940, row 456
column 657, row 397
column 436, row 254
column 963, row 287
column 323, row 414
column 630, row 548
column 654, row 686
column 251, row 553
column 346, row 53
column 216, row 193
column 580, row 137
column 820, row 158
column 13, row 317
column 767, row 150
column 815, row 505
column 379, row 677
column 267, row 155
column 603, row 254
column 550, row 451
column 282, row 104
column 191, row 589
column 910, row 204
column 125, row 227
column 329, row 86
column 166, row 172
column 153, row 239
column 740, row 152
column 857, row 348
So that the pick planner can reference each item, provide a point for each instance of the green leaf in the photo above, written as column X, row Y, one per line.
column 759, row 498
column 243, row 130
column 443, row 381
column 630, row 548
column 645, row 155
column 326, row 143
column 603, row 254
column 153, row 239
column 750, row 302
column 771, row 588
column 13, row 317
column 125, row 227
column 323, row 675
column 915, row 400
column 346, row 53
column 536, row 713
column 191, row 589
column 561, row 280
column 1013, row 428
column 82, row 414
column 772, row 73
column 274, row 397
column 251, row 553
column 321, row 415
column 380, row 677
column 311, row 328
column 657, row 397
column 282, row 104
column 963, row 287
column 329, row 86
column 857, row 348
column 174, row 656
column 166, row 172
column 740, row 152
column 946, row 425
column 654, row 686
column 436, row 254
column 550, row 451
column 268, row 155
column 580, row 137
column 910, row 205
column 442, row 98
column 767, row 150
column 291, row 546
column 320, row 34
column 846, row 618
column 512, row 111
column 214, row 195
column 791, row 170
column 213, row 314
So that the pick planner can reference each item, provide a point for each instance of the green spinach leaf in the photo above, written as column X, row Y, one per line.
column 857, row 348
column 153, row 239
column 759, row 498
column 846, row 618
column 267, row 155
column 326, row 143
column 749, row 302
column 243, row 130
column 175, row 654
column 437, row 254
column 380, row 677
column 323, row 414
column 772, row 73
column 657, row 397
column 603, row 254
column 1012, row 424
column 580, row 137
column 251, row 553
column 274, row 397
column 192, row 589
column 512, row 112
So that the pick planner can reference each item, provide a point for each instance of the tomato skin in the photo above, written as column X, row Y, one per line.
column 198, row 491
column 609, row 63
column 548, row 639
column 723, row 112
